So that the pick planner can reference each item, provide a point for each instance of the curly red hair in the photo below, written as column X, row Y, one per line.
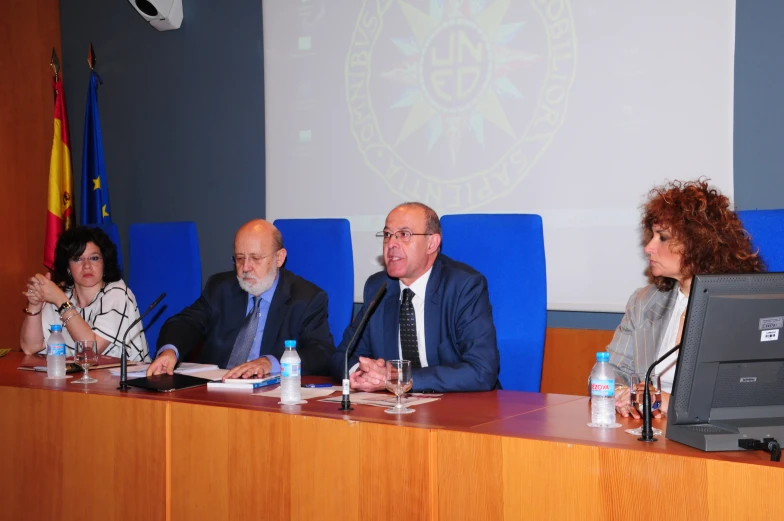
column 710, row 235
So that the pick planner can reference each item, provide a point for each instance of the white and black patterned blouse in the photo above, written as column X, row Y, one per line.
column 109, row 315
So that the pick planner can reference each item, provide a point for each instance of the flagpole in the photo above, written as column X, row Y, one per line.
column 54, row 63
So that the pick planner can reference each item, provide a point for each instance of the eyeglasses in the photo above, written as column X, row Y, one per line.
column 239, row 260
column 401, row 235
column 93, row 259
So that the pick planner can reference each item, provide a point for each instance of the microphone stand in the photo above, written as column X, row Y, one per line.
column 647, row 430
column 345, row 404
column 124, row 355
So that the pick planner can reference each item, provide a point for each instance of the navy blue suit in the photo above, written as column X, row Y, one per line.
column 460, row 339
column 298, row 311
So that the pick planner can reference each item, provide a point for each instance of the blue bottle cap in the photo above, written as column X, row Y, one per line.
column 56, row 328
column 290, row 344
column 602, row 356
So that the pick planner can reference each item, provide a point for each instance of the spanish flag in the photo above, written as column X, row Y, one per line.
column 59, row 216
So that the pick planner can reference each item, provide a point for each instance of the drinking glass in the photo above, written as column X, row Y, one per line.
column 637, row 391
column 636, row 396
column 399, row 381
column 85, row 355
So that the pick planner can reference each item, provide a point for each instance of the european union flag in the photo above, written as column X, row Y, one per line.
column 95, row 190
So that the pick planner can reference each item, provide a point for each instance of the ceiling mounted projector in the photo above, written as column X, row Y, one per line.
column 164, row 15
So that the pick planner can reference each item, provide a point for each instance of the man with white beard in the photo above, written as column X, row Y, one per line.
column 243, row 317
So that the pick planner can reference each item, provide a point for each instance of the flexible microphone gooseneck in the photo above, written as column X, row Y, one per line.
column 647, row 430
column 124, row 356
column 345, row 404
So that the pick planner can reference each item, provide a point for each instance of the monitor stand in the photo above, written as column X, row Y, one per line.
column 725, row 435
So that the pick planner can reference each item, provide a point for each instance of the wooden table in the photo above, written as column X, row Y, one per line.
column 199, row 454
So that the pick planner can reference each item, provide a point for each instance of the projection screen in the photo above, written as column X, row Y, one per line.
column 570, row 110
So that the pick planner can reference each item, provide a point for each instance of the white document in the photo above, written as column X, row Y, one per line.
column 191, row 368
column 386, row 400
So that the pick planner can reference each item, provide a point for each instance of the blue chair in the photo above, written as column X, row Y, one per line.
column 509, row 251
column 766, row 228
column 114, row 234
column 319, row 250
column 152, row 248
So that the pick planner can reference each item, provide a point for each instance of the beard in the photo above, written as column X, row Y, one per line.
column 257, row 286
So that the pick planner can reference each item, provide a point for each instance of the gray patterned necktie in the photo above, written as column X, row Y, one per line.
column 239, row 355
column 408, row 332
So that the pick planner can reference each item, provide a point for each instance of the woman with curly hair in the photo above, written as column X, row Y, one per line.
column 86, row 294
column 688, row 229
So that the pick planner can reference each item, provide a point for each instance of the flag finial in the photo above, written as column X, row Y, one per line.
column 91, row 61
column 55, row 63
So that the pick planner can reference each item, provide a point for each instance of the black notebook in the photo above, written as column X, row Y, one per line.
column 167, row 383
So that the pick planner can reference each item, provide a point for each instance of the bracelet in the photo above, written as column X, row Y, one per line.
column 30, row 313
column 65, row 321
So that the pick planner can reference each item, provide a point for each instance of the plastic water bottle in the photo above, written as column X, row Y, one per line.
column 290, row 374
column 602, row 391
column 55, row 353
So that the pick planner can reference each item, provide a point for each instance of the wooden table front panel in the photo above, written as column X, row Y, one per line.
column 492, row 477
column 55, row 443
column 237, row 464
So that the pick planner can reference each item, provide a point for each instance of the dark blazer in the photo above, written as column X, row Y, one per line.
column 460, row 339
column 298, row 311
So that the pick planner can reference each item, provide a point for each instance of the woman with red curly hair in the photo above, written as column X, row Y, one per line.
column 689, row 229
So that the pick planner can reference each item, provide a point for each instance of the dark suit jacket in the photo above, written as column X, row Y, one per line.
column 460, row 339
column 298, row 311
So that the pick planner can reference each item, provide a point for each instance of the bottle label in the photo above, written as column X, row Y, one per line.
column 57, row 349
column 289, row 369
column 602, row 387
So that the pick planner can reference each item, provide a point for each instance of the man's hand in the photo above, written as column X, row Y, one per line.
column 258, row 367
column 371, row 375
column 163, row 364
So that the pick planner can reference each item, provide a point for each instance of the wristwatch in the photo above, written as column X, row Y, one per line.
column 65, row 307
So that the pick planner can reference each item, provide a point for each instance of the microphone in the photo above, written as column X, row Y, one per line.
column 124, row 356
column 345, row 404
column 647, row 430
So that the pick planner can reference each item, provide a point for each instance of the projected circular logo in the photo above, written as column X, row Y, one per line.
column 453, row 105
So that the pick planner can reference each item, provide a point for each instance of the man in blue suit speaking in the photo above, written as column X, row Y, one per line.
column 436, row 312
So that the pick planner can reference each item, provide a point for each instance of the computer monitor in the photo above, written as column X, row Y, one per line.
column 729, row 381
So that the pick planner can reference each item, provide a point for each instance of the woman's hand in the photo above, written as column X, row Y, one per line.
column 48, row 290
column 623, row 403
column 665, row 403
column 35, row 296
column 624, row 408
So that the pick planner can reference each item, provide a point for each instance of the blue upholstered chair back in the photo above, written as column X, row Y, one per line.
column 509, row 251
column 319, row 250
column 164, row 257
column 766, row 228
column 114, row 235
